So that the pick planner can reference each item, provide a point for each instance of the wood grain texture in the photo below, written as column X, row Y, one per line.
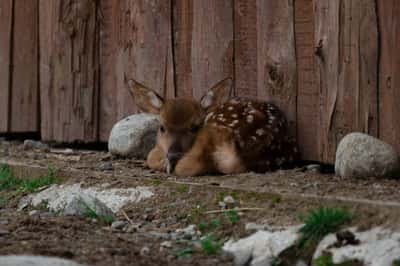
column 265, row 55
column 347, row 53
column 136, row 43
column 25, row 87
column 6, row 17
column 69, row 70
column 308, row 105
column 203, row 44
column 389, row 71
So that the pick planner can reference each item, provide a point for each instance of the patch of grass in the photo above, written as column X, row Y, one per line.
column 276, row 199
column 326, row 260
column 182, row 188
column 210, row 245
column 9, row 182
column 91, row 213
column 196, row 214
column 321, row 222
column 233, row 216
column 183, row 253
column 212, row 225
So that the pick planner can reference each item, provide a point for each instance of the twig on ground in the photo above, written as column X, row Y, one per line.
column 234, row 209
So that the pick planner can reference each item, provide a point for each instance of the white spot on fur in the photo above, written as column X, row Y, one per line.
column 254, row 138
column 234, row 115
column 249, row 119
column 210, row 115
column 230, row 108
column 260, row 132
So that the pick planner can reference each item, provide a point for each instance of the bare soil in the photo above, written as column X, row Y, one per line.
column 278, row 198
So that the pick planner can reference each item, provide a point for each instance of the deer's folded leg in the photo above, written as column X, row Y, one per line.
column 191, row 166
column 156, row 159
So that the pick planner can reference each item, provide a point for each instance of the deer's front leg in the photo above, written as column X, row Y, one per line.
column 156, row 159
column 191, row 165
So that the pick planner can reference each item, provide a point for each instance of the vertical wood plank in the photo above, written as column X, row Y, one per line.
column 246, row 52
column 136, row 42
column 308, row 105
column 24, row 90
column 389, row 71
column 203, row 35
column 6, row 17
column 347, row 69
column 265, row 55
column 69, row 70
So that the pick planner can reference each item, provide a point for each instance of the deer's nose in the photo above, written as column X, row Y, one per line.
column 174, row 157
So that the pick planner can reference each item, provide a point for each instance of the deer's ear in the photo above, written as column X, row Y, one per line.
column 218, row 94
column 147, row 100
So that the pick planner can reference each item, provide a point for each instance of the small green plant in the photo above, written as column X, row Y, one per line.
column 276, row 261
column 276, row 199
column 210, row 245
column 233, row 216
column 321, row 222
column 182, row 188
column 186, row 252
column 9, row 182
column 324, row 260
column 212, row 225
column 156, row 182
column 91, row 213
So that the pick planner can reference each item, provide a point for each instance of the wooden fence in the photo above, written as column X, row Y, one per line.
column 329, row 64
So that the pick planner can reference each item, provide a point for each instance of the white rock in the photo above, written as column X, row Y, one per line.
column 361, row 155
column 134, row 136
column 262, row 246
column 377, row 247
column 23, row 260
column 71, row 199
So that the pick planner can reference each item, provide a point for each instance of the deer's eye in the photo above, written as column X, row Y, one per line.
column 162, row 129
column 195, row 128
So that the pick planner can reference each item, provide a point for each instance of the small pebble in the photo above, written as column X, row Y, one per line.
column 4, row 222
column 106, row 166
column 33, row 144
column 31, row 213
column 229, row 200
column 314, row 168
column 166, row 244
column 118, row 225
column 144, row 251
column 222, row 204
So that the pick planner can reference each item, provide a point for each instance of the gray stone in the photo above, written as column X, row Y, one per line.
column 75, row 200
column 22, row 260
column 377, row 247
column 33, row 144
column 4, row 232
column 361, row 155
column 144, row 251
column 134, row 136
column 261, row 247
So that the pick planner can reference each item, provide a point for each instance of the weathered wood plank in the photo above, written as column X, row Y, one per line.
column 24, row 89
column 346, row 69
column 203, row 35
column 308, row 105
column 6, row 17
column 246, row 52
column 136, row 42
column 69, row 70
column 265, row 55
column 389, row 71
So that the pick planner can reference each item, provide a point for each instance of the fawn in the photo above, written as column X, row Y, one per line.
column 218, row 134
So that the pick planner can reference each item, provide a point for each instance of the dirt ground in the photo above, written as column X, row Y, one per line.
column 278, row 198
